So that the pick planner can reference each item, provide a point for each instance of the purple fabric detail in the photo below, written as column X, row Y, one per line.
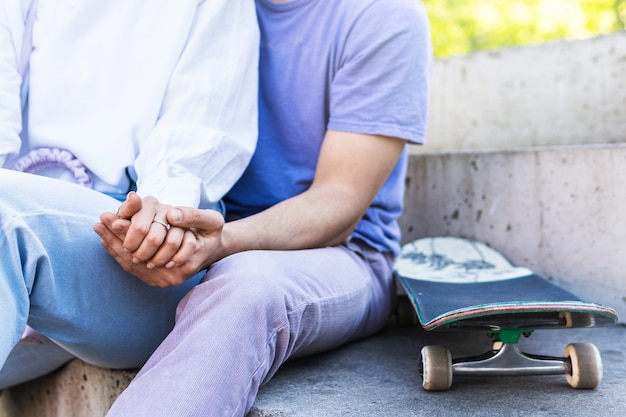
column 42, row 158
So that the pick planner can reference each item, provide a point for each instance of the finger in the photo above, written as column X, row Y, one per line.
column 141, row 225
column 159, row 277
column 186, row 250
column 154, row 240
column 203, row 220
column 168, row 248
column 113, row 245
column 115, row 224
column 130, row 206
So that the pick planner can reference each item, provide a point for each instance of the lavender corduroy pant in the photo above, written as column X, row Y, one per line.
column 251, row 313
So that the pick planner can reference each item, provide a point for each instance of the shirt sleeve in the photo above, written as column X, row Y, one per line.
column 382, row 85
column 207, row 129
column 11, row 34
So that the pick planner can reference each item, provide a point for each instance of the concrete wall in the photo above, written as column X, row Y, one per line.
column 559, row 211
column 561, row 93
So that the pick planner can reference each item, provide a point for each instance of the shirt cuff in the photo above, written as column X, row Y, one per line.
column 179, row 191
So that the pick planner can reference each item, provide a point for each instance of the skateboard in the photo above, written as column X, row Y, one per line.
column 458, row 284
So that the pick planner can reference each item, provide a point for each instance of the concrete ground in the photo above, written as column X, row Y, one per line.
column 378, row 377
column 375, row 377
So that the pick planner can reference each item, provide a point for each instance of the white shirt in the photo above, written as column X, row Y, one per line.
column 167, row 88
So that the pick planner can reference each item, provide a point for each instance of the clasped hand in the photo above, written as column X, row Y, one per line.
column 136, row 237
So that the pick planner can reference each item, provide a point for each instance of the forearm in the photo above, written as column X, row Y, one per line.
column 320, row 217
column 351, row 170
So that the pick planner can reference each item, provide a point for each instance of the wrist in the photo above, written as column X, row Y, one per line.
column 230, row 242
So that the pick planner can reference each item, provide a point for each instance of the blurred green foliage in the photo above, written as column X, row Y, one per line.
column 462, row 26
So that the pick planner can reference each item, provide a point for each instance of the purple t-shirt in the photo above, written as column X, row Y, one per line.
column 359, row 66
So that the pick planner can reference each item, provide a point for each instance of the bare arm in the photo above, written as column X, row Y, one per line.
column 350, row 171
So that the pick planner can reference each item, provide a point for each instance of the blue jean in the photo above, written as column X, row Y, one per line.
column 34, row 355
column 56, row 277
column 253, row 311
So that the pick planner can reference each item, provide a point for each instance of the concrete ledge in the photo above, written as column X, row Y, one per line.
column 378, row 377
column 78, row 389
column 373, row 377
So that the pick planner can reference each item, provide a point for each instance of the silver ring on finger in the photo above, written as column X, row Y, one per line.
column 166, row 225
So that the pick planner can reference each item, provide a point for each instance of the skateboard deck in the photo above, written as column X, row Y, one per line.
column 455, row 283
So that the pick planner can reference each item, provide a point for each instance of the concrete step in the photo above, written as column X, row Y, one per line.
column 373, row 377
column 378, row 377
column 76, row 390
column 562, row 93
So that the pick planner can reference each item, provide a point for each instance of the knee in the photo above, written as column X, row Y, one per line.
column 247, row 281
column 253, row 275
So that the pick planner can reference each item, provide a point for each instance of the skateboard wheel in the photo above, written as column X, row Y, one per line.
column 436, row 368
column 585, row 370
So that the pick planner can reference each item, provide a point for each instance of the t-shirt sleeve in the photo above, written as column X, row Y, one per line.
column 381, row 84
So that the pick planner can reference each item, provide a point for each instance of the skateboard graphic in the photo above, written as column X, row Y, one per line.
column 456, row 284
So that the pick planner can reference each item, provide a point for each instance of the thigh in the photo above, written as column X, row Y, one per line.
column 329, row 296
column 252, row 312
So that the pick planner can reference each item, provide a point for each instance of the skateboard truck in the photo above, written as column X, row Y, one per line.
column 581, row 364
